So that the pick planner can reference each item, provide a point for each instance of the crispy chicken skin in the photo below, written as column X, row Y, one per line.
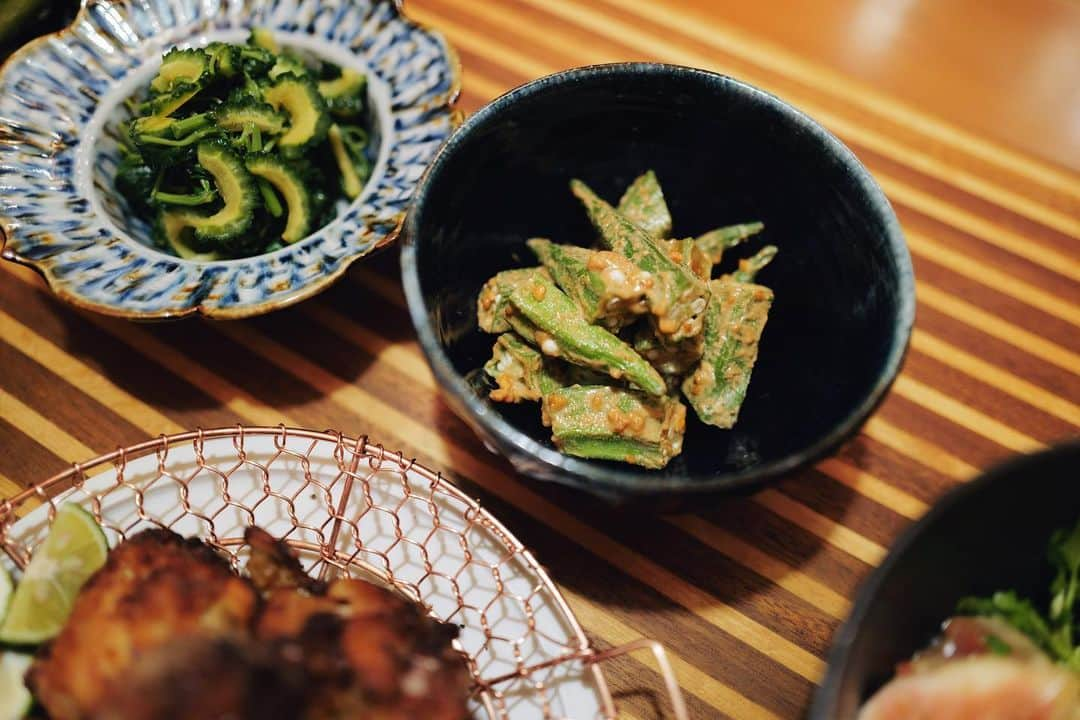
column 207, row 678
column 154, row 588
column 167, row 631
column 370, row 653
column 272, row 565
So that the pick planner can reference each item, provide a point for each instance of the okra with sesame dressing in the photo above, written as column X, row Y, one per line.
column 734, row 322
column 520, row 371
column 563, row 332
column 751, row 266
column 611, row 396
column 493, row 308
column 643, row 204
column 677, row 297
column 606, row 423
column 608, row 288
column 715, row 242
column 672, row 360
column 686, row 253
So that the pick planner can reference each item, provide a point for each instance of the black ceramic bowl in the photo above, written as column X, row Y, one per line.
column 990, row 534
column 725, row 152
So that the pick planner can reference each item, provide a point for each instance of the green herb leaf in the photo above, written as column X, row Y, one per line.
column 1016, row 611
column 1065, row 557
column 997, row 645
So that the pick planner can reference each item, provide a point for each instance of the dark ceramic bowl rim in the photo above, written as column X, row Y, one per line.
column 823, row 707
column 572, row 471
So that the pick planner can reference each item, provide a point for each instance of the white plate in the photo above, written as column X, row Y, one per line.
column 397, row 520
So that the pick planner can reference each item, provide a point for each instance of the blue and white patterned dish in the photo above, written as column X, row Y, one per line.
column 62, row 98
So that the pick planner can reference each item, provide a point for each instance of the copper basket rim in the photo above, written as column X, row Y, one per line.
column 359, row 447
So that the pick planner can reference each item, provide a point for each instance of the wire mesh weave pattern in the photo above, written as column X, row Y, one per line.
column 349, row 507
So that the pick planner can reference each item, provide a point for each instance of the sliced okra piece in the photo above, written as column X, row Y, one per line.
column 519, row 371
column 734, row 322
column 671, row 359
column 715, row 242
column 578, row 375
column 560, row 330
column 751, row 266
column 686, row 253
column 606, row 286
column 607, row 423
column 643, row 204
column 676, row 296
column 493, row 308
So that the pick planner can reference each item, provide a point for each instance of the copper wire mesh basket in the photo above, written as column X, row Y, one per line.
column 352, row 508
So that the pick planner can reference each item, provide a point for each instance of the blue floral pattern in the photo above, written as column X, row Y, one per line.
column 60, row 100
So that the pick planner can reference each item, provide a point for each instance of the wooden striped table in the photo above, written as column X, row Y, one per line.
column 975, row 137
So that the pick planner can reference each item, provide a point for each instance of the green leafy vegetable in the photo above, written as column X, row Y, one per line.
column 228, row 154
column 1053, row 632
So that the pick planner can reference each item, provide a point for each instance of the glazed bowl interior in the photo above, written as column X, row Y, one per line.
column 724, row 153
column 106, row 129
column 986, row 536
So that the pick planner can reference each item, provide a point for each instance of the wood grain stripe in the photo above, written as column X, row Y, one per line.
column 703, row 686
column 83, row 376
column 238, row 401
column 8, row 487
column 994, row 279
column 400, row 356
column 994, row 376
column 918, row 449
column 1003, row 330
column 736, row 41
column 969, row 222
column 42, row 430
column 827, row 529
column 787, row 577
column 963, row 415
column 870, row 486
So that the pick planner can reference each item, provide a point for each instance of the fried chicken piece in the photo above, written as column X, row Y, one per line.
column 167, row 631
column 368, row 652
column 154, row 588
column 207, row 678
column 272, row 565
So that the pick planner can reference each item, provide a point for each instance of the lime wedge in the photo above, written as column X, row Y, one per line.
column 15, row 699
column 42, row 601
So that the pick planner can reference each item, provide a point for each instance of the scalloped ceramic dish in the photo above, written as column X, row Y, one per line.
column 62, row 98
